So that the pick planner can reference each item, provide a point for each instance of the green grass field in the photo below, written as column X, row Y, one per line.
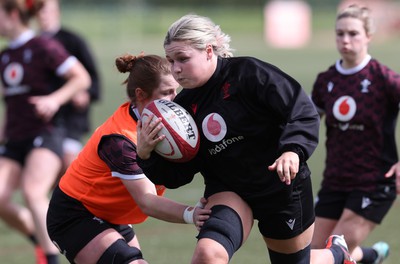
column 113, row 31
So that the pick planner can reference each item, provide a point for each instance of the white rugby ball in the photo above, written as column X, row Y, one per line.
column 181, row 142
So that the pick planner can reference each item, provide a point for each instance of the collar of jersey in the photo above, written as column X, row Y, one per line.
column 353, row 70
column 21, row 39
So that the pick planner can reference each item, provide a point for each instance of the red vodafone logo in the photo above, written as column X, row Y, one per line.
column 13, row 74
column 214, row 127
column 344, row 108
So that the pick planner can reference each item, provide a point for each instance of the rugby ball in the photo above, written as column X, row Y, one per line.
column 181, row 142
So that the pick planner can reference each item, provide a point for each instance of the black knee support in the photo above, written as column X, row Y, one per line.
column 120, row 253
column 300, row 257
column 225, row 227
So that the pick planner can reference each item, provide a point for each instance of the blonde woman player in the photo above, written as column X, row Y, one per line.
column 258, row 128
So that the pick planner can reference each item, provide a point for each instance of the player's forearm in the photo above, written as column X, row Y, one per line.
column 164, row 209
column 77, row 80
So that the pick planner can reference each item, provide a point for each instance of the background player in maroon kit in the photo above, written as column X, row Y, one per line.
column 360, row 98
column 257, row 129
column 30, row 158
column 76, row 114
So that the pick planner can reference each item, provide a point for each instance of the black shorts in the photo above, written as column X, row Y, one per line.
column 281, row 216
column 372, row 206
column 71, row 226
column 19, row 150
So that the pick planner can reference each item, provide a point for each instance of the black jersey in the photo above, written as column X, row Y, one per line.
column 361, row 107
column 29, row 66
column 77, row 121
column 248, row 114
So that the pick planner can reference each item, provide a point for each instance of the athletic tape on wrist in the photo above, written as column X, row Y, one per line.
column 188, row 215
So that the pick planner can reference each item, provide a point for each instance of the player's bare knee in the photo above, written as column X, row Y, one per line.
column 225, row 227
column 300, row 257
column 209, row 251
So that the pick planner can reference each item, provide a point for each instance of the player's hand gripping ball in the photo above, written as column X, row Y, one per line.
column 181, row 142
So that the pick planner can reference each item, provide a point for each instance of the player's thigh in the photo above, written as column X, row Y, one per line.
column 354, row 227
column 41, row 170
column 108, row 245
column 235, row 202
column 134, row 242
column 291, row 245
column 323, row 229
column 92, row 252
column 10, row 173
column 139, row 261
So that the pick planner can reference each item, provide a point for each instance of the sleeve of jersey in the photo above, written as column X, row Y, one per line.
column 119, row 153
column 290, row 103
column 171, row 175
column 316, row 98
column 393, row 83
column 58, row 58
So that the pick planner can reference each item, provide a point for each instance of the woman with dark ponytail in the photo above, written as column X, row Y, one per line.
column 104, row 190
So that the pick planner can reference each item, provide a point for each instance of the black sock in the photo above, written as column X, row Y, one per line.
column 369, row 255
column 52, row 259
column 338, row 254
